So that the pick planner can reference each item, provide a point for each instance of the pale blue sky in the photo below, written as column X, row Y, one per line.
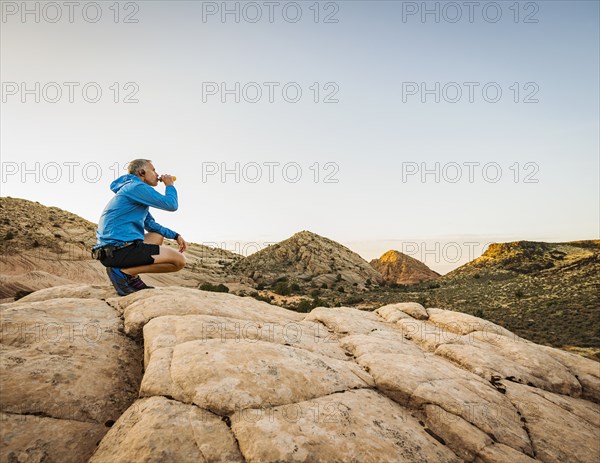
column 370, row 134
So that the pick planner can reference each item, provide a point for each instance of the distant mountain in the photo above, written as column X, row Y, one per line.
column 527, row 257
column 396, row 267
column 308, row 258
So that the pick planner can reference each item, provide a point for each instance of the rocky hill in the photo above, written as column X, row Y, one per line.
column 181, row 375
column 396, row 267
column 308, row 259
column 528, row 257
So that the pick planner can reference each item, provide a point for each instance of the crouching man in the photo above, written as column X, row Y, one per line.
column 122, row 247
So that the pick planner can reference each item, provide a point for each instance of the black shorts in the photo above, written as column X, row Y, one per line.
column 139, row 253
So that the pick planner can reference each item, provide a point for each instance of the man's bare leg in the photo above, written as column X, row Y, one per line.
column 168, row 259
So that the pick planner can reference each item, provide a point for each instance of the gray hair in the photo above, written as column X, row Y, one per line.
column 136, row 165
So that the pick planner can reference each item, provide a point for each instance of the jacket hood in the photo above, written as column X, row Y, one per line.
column 123, row 180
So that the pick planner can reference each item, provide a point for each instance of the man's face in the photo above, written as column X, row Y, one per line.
column 150, row 177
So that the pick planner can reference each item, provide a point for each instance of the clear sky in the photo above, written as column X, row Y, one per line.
column 365, row 155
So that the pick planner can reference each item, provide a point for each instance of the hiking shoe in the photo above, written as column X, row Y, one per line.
column 136, row 283
column 120, row 281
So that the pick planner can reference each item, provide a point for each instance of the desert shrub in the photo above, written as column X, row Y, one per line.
column 341, row 289
column 324, row 286
column 338, row 277
column 282, row 288
column 220, row 288
column 479, row 313
column 315, row 293
column 260, row 286
column 477, row 276
column 368, row 282
column 519, row 293
column 295, row 287
column 304, row 306
column 9, row 235
column 258, row 297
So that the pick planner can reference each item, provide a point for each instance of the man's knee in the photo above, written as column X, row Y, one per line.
column 180, row 262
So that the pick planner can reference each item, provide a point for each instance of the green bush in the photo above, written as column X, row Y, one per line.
column 282, row 288
column 324, row 286
column 304, row 306
column 319, row 303
column 220, row 288
column 258, row 297
column 353, row 300
column 295, row 287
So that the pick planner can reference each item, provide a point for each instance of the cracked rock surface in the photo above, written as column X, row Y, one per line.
column 228, row 378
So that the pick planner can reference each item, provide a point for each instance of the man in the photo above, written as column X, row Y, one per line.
column 122, row 247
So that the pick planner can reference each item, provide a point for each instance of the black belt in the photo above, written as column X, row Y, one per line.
column 107, row 251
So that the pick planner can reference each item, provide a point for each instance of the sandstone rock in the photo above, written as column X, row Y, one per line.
column 381, row 342
column 169, row 331
column 427, row 335
column 338, row 384
column 391, row 314
column 360, row 426
column 462, row 323
column 66, row 361
column 521, row 361
column 139, row 308
column 65, row 358
column 222, row 377
column 412, row 309
column 347, row 320
column 414, row 380
column 500, row 453
column 586, row 371
column 464, row 439
column 33, row 439
column 71, row 291
column 158, row 429
column 557, row 434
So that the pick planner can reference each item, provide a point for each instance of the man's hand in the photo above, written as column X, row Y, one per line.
column 167, row 180
column 182, row 244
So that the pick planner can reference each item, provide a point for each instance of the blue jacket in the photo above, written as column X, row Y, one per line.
column 126, row 215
